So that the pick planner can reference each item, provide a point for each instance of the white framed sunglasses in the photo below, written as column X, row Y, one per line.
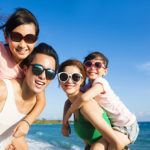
column 64, row 77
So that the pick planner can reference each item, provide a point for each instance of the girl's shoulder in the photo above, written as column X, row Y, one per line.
column 100, row 80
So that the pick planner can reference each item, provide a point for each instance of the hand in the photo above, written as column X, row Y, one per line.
column 21, row 129
column 66, row 130
column 11, row 147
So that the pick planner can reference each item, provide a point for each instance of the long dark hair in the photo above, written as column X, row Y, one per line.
column 19, row 17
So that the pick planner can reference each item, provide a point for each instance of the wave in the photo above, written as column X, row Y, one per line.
column 40, row 145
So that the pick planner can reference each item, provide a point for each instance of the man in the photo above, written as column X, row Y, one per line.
column 18, row 97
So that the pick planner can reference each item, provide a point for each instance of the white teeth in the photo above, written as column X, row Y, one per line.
column 39, row 82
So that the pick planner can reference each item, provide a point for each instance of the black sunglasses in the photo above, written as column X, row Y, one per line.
column 97, row 65
column 17, row 37
column 38, row 69
column 64, row 77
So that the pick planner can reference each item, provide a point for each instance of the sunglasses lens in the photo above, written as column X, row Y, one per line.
column 50, row 74
column 30, row 38
column 15, row 36
column 98, row 65
column 63, row 77
column 76, row 77
column 37, row 69
column 88, row 64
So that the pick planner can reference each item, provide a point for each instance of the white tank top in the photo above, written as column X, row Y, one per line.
column 9, row 116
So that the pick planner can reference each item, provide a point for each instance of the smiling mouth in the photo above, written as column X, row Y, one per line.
column 21, row 51
column 39, row 84
column 69, row 86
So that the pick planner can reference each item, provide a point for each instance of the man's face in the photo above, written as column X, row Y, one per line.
column 38, row 83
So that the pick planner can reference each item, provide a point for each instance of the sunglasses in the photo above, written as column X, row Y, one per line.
column 64, row 77
column 38, row 69
column 97, row 65
column 17, row 37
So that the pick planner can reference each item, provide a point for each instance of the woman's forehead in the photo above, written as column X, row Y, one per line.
column 72, row 69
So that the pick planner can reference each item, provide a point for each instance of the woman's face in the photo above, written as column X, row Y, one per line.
column 70, row 87
column 20, row 49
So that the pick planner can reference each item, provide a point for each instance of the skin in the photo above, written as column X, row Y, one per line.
column 110, row 136
column 73, row 91
column 20, row 50
column 26, row 91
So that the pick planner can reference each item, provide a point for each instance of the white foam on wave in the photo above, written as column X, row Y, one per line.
column 39, row 145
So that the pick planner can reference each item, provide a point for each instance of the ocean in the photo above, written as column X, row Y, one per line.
column 48, row 137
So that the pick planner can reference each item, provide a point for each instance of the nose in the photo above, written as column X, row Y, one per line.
column 92, row 66
column 22, row 43
column 69, row 79
column 42, row 75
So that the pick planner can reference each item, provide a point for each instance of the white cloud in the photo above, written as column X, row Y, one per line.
column 144, row 67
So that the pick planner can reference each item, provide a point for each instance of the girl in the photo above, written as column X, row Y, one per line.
column 122, row 120
column 71, row 75
column 21, row 33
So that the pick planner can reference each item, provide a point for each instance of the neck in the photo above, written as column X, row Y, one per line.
column 27, row 94
column 73, row 96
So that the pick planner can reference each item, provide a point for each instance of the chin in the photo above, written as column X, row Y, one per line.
column 69, row 92
column 37, row 90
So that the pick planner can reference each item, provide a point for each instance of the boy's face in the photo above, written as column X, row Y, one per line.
column 95, row 68
column 38, row 83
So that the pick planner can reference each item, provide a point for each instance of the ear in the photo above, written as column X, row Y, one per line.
column 105, row 71
column 25, row 68
column 82, row 83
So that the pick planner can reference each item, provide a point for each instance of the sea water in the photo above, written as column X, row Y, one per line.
column 48, row 137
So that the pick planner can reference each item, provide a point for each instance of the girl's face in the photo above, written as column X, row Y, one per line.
column 38, row 83
column 95, row 68
column 22, row 47
column 71, row 87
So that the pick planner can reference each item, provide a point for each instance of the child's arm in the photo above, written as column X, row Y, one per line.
column 23, row 126
column 66, row 130
column 88, row 95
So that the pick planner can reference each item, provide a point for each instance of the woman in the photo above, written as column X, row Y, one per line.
column 21, row 32
column 71, row 75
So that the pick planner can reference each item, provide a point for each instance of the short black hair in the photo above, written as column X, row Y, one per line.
column 42, row 48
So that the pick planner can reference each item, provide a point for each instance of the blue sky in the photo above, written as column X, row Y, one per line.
column 119, row 29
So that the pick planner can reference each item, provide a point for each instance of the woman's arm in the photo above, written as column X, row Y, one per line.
column 93, row 113
column 66, row 130
column 23, row 126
